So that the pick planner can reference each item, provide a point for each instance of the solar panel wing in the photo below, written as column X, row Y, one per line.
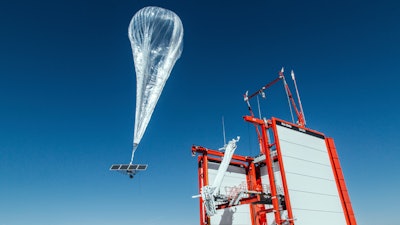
column 142, row 167
column 115, row 167
column 133, row 167
column 124, row 167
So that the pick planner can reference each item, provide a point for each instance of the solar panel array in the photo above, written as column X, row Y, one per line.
column 125, row 167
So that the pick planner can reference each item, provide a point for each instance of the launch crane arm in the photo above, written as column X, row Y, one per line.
column 299, row 114
column 229, row 150
column 265, row 87
column 210, row 193
column 261, row 91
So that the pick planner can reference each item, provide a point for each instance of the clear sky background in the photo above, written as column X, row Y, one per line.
column 67, row 102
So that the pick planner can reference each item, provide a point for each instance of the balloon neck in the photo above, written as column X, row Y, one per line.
column 135, row 145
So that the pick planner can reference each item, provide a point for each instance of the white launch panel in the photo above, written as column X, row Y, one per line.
column 234, row 178
column 313, row 191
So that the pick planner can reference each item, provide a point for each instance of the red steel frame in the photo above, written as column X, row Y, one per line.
column 282, row 172
column 337, row 171
column 258, row 212
column 265, row 149
column 340, row 183
column 253, row 180
column 203, row 181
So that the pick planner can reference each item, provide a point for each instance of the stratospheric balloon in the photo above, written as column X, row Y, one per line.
column 156, row 36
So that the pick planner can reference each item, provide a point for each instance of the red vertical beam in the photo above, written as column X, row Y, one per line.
column 203, row 181
column 205, row 178
column 201, row 184
column 340, row 183
column 261, row 212
column 259, row 209
column 251, row 185
column 282, row 172
column 268, row 161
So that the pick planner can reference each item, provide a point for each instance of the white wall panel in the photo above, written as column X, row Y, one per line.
column 304, row 167
column 238, row 215
column 319, row 217
column 315, row 202
column 297, row 150
column 286, row 134
column 311, row 183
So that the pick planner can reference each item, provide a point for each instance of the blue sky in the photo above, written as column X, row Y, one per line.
column 67, row 102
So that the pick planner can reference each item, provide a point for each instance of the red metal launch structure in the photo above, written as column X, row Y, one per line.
column 295, row 180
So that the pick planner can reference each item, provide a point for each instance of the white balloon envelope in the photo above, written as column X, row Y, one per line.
column 156, row 36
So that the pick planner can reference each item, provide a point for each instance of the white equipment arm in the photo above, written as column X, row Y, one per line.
column 229, row 150
column 209, row 193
